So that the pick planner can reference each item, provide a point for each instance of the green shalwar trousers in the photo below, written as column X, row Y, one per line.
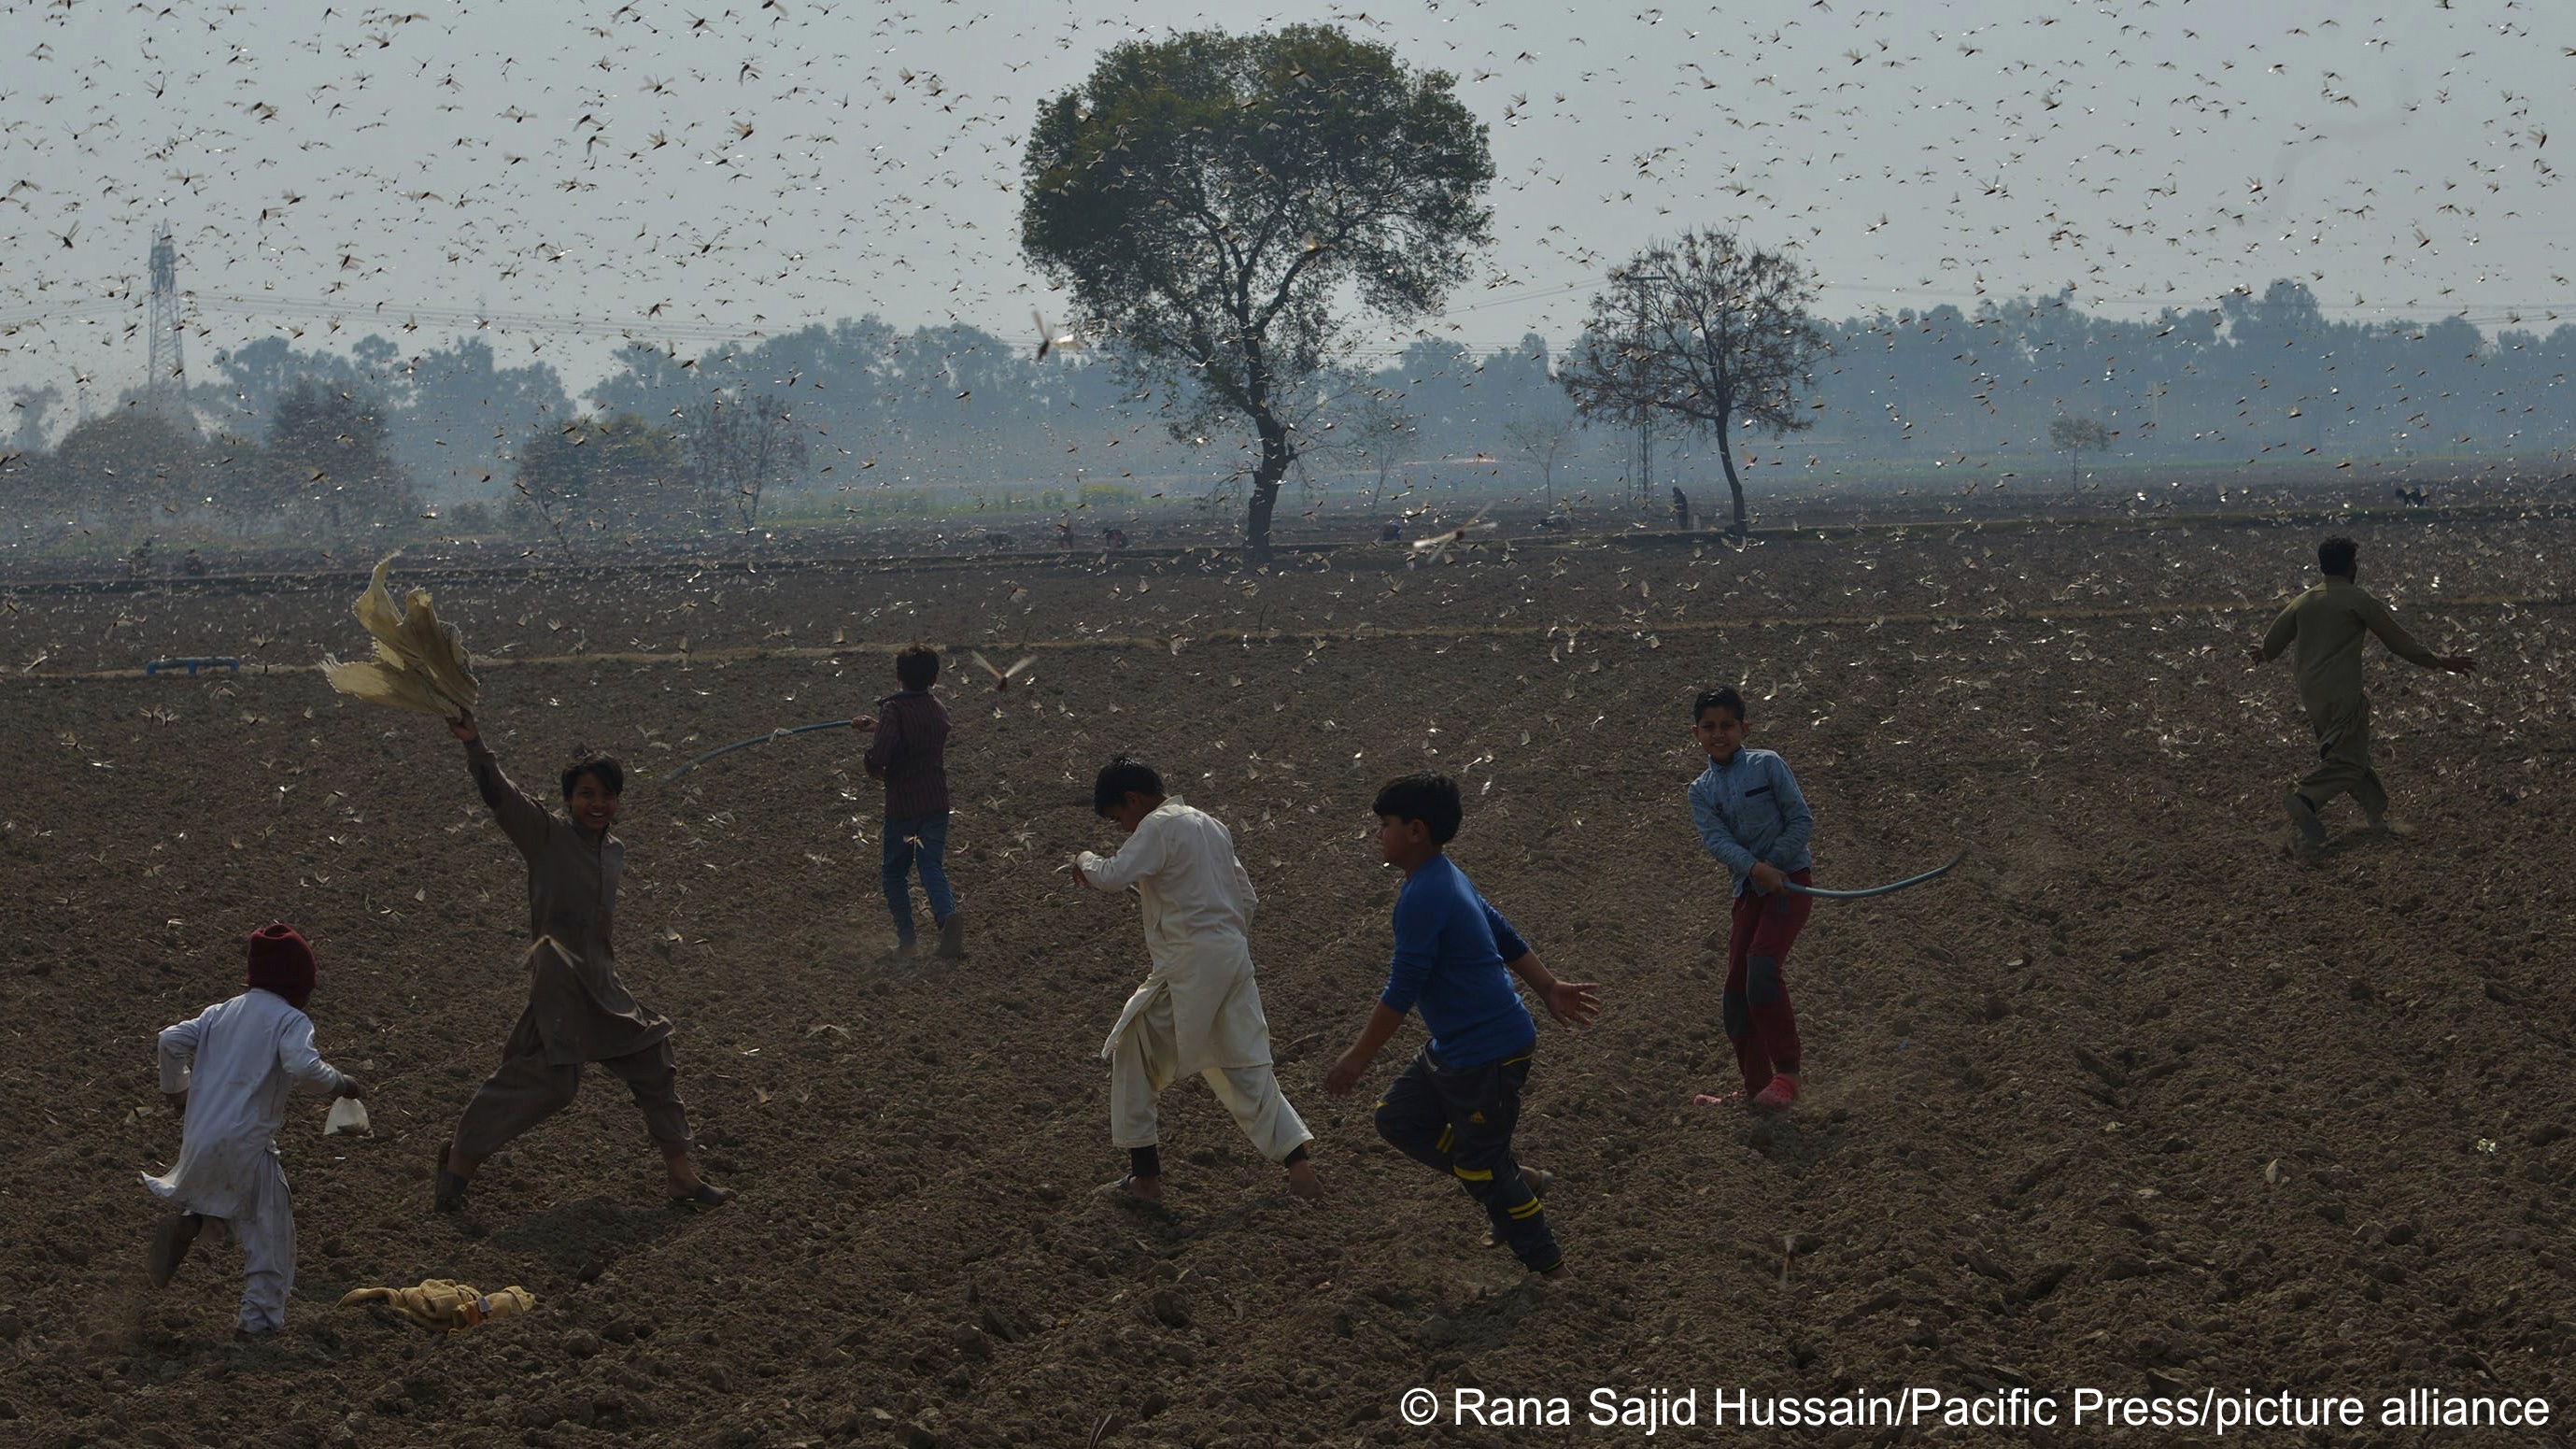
column 2343, row 756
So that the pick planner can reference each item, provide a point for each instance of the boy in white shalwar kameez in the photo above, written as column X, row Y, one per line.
column 1199, row 1011
column 227, row 1073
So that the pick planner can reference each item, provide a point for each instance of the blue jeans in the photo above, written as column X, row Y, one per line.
column 923, row 839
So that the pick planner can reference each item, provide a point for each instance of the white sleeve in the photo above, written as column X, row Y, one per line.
column 1140, row 857
column 1243, row 887
column 178, row 1051
column 295, row 1053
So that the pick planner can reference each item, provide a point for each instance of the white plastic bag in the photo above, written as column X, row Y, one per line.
column 348, row 1119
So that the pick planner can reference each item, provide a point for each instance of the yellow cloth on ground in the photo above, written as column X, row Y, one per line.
column 443, row 1303
column 420, row 664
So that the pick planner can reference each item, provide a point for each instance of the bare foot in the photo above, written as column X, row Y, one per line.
column 1133, row 1191
column 1303, row 1183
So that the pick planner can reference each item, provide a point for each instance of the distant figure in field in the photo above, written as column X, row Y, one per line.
column 909, row 757
column 2411, row 497
column 1393, row 532
column 1114, row 538
column 2328, row 623
column 193, row 565
column 1681, row 510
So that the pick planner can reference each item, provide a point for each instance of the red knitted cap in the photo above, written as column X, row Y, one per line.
column 282, row 962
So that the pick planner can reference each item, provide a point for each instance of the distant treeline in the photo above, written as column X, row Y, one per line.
column 862, row 418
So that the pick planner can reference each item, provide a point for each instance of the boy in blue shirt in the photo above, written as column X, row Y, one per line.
column 1454, row 1108
column 1752, row 818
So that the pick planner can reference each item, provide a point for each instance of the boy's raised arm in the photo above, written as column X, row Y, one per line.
column 520, row 818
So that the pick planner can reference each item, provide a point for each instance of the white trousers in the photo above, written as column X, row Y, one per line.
column 267, row 1236
column 1147, row 1059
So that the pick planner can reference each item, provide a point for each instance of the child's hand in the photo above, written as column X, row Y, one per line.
column 463, row 727
column 1574, row 1002
column 1345, row 1074
column 349, row 1087
column 1767, row 877
column 863, row 722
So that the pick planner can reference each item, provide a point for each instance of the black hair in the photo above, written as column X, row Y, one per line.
column 1723, row 697
column 2334, row 557
column 1430, row 798
column 1122, row 776
column 917, row 666
column 612, row 775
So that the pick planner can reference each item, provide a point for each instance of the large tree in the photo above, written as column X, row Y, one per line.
column 1705, row 332
column 739, row 445
column 331, row 443
column 602, row 474
column 1208, row 197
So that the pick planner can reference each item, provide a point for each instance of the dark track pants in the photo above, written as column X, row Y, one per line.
column 526, row 1089
column 1460, row 1122
column 1758, row 1019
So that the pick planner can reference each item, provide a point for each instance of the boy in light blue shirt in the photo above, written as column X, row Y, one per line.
column 1752, row 818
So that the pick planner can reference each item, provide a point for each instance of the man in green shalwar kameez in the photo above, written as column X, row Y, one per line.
column 2329, row 623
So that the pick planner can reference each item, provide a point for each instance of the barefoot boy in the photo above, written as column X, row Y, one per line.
column 909, row 757
column 1454, row 1108
column 1199, row 1011
column 243, row 1056
column 578, row 1010
column 1752, row 818
column 2329, row 623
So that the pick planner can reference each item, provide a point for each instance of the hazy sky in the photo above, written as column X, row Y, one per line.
column 712, row 171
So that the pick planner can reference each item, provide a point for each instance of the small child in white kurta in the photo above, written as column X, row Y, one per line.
column 237, row 1061
column 1199, row 1010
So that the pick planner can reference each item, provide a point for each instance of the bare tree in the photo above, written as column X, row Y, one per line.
column 1382, row 432
column 1705, row 331
column 739, row 445
column 2072, row 436
column 1541, row 435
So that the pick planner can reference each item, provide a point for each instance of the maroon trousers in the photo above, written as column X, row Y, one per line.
column 1758, row 1019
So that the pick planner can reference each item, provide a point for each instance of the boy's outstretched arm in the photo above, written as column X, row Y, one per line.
column 2285, row 627
column 1573, row 1002
column 520, row 818
column 2382, row 622
column 1346, row 1073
